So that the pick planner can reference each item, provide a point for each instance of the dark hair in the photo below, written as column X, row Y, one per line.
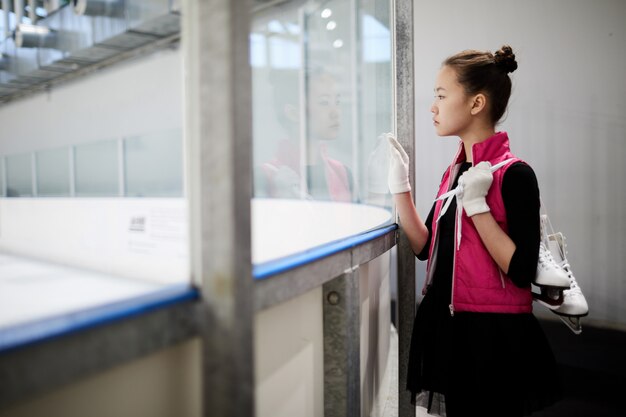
column 479, row 71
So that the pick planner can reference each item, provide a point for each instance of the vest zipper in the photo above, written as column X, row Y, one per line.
column 455, row 249
column 451, row 306
column 454, row 170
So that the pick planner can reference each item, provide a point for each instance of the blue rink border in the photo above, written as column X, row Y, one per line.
column 275, row 267
column 24, row 334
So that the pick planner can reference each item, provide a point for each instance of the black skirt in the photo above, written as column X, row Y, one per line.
column 483, row 363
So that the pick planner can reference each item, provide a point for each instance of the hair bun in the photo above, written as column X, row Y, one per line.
column 505, row 59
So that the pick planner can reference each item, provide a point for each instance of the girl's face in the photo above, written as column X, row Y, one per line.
column 324, row 108
column 451, row 108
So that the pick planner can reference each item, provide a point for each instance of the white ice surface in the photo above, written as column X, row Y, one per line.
column 32, row 290
column 286, row 227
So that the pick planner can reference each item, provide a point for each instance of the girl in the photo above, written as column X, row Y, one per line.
column 476, row 348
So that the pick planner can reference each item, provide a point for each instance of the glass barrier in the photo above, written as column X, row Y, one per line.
column 3, row 186
column 105, row 257
column 77, row 252
column 322, row 96
column 153, row 165
column 150, row 165
column 19, row 173
column 97, row 172
column 53, row 173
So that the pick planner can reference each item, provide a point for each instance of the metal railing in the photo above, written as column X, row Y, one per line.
column 220, row 192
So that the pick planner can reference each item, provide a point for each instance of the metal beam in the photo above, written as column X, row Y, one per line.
column 342, row 346
column 39, row 368
column 218, row 132
column 282, row 287
column 405, row 125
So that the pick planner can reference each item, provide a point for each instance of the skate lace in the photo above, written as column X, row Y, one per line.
column 546, row 261
column 458, row 193
column 573, row 285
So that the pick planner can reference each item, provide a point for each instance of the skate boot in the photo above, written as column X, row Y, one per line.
column 574, row 304
column 551, row 278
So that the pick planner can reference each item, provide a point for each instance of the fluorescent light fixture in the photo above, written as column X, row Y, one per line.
column 33, row 30
column 33, row 36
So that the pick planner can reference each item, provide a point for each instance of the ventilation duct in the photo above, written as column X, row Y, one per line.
column 81, row 34
column 110, row 8
column 33, row 36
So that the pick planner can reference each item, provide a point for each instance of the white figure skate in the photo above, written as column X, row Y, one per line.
column 551, row 278
column 574, row 304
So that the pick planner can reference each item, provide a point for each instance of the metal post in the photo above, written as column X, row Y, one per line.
column 121, row 168
column 3, row 176
column 218, row 134
column 31, row 12
column 342, row 346
column 405, row 110
column 72, row 168
column 33, row 174
column 6, row 8
column 18, row 8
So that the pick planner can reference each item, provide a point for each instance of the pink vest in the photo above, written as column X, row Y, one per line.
column 335, row 172
column 478, row 284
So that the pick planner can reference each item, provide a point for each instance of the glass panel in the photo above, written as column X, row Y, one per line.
column 2, row 184
column 154, row 165
column 329, row 83
column 97, row 171
column 53, row 173
column 322, row 98
column 376, row 111
column 19, row 175
column 330, row 90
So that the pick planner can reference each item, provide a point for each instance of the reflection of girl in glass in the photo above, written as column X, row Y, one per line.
column 476, row 346
column 326, row 178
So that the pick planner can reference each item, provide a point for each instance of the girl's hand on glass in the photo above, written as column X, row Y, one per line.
column 398, row 174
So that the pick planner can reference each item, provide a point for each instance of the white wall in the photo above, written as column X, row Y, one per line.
column 131, row 98
column 567, row 118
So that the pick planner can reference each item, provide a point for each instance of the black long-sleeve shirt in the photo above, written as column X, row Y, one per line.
column 520, row 193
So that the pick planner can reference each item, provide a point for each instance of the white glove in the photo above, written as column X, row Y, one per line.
column 398, row 174
column 475, row 183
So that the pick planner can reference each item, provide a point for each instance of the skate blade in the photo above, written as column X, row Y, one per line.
column 572, row 322
column 560, row 313
column 553, row 287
